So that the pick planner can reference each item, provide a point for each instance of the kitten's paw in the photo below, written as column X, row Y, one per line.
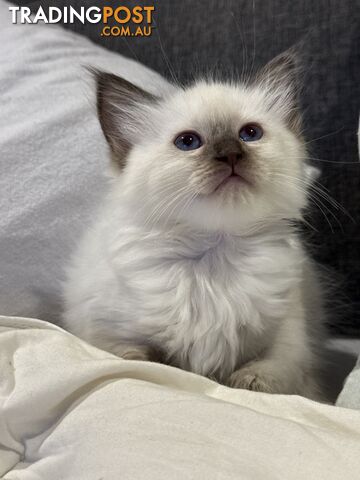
column 255, row 377
column 134, row 352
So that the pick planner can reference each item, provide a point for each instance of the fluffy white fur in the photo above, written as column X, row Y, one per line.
column 212, row 280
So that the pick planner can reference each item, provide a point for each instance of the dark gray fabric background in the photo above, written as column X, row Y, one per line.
column 224, row 34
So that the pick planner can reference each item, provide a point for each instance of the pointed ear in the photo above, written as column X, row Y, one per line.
column 280, row 78
column 121, row 109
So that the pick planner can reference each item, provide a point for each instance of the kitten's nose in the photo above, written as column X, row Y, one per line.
column 230, row 158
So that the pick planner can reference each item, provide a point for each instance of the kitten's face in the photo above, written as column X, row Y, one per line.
column 215, row 156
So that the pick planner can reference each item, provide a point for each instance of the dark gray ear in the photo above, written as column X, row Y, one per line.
column 281, row 80
column 120, row 107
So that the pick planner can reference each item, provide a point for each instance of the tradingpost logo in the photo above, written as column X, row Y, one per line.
column 121, row 21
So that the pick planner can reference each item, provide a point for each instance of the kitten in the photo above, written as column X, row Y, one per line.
column 194, row 259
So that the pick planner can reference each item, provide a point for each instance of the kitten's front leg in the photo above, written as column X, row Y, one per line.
column 288, row 366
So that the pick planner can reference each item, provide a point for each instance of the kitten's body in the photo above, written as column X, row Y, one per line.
column 209, row 302
column 226, row 294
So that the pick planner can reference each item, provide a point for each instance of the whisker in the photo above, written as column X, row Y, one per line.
column 167, row 202
column 166, row 58
column 318, row 188
column 305, row 188
column 254, row 40
column 314, row 200
column 315, row 159
column 187, row 205
column 324, row 136
column 244, row 48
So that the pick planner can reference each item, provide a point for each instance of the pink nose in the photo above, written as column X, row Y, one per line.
column 230, row 158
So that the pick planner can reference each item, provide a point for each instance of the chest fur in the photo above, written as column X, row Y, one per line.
column 210, row 304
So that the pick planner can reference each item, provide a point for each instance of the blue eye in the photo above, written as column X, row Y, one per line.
column 188, row 141
column 250, row 133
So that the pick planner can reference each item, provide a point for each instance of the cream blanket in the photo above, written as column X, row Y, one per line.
column 70, row 411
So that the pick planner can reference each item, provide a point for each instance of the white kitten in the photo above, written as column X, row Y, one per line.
column 194, row 259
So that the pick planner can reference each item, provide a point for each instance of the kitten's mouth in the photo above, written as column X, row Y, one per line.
column 233, row 179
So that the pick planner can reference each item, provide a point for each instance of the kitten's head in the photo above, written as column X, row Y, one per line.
column 214, row 155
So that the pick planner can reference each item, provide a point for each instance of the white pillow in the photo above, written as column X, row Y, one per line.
column 52, row 155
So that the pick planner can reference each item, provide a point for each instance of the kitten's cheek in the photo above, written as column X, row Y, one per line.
column 202, row 184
